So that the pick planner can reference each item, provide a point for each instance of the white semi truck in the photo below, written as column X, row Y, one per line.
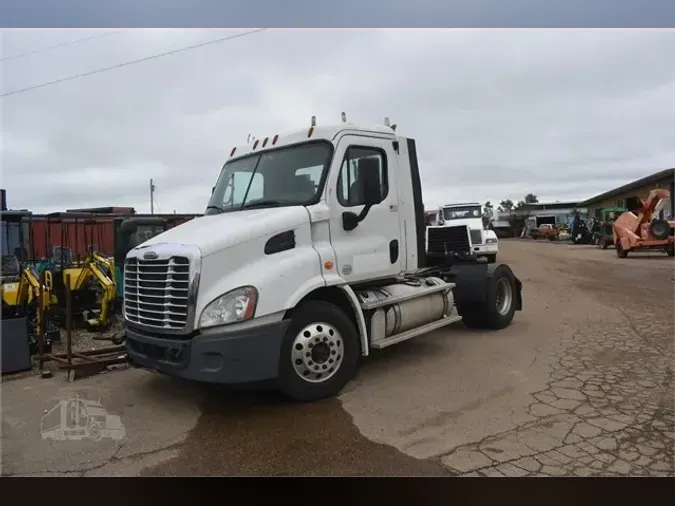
column 312, row 252
column 484, row 242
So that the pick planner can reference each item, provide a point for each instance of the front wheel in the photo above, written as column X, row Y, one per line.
column 320, row 352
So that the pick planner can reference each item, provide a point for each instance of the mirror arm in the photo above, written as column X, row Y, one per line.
column 364, row 212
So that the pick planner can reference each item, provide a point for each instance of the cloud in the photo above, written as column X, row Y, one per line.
column 496, row 113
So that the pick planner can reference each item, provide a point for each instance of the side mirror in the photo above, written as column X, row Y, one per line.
column 371, row 183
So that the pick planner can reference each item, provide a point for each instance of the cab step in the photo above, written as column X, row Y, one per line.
column 409, row 334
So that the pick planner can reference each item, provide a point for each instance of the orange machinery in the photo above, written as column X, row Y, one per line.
column 643, row 231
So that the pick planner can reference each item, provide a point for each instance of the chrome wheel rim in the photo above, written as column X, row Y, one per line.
column 317, row 352
column 504, row 296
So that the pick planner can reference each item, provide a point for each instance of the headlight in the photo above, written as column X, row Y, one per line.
column 491, row 240
column 235, row 306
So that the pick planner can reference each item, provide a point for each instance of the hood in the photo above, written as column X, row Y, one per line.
column 220, row 231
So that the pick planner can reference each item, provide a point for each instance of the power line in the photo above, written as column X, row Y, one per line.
column 132, row 62
column 62, row 44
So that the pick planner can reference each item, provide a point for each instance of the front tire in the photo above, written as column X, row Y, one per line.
column 320, row 352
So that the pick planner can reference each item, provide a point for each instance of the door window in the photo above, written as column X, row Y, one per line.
column 348, row 189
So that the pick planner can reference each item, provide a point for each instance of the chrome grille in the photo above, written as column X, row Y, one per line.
column 476, row 237
column 156, row 292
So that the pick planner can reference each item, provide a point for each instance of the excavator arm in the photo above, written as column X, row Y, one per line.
column 109, row 291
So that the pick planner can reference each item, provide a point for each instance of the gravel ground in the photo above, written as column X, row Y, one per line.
column 580, row 384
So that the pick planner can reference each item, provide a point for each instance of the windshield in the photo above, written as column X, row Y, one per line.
column 143, row 233
column 284, row 177
column 461, row 212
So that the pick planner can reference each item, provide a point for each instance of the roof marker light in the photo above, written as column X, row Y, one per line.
column 265, row 141
column 275, row 139
column 344, row 118
column 313, row 121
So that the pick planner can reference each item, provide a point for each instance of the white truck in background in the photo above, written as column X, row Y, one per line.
column 312, row 252
column 484, row 242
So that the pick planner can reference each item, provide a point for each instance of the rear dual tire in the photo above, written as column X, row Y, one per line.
column 499, row 307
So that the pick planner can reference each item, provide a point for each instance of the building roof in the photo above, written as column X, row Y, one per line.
column 541, row 206
column 653, row 178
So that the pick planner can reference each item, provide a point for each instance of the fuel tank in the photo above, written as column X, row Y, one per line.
column 406, row 305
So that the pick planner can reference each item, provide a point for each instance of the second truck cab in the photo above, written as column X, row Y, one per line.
column 311, row 253
column 484, row 243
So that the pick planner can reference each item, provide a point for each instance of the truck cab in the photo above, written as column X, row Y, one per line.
column 311, row 253
column 484, row 242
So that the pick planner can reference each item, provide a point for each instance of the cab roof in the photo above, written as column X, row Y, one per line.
column 319, row 132
column 461, row 204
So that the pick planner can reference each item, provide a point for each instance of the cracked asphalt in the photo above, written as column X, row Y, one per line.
column 581, row 384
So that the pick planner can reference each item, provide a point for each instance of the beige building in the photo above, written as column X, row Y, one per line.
column 629, row 195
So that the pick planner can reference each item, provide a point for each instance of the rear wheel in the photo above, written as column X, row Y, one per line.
column 659, row 229
column 320, row 352
column 499, row 307
column 620, row 252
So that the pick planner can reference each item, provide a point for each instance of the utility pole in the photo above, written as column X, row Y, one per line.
column 152, row 197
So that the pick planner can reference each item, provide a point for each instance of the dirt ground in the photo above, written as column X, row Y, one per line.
column 581, row 384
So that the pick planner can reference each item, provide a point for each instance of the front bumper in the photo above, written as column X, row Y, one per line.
column 233, row 357
column 485, row 249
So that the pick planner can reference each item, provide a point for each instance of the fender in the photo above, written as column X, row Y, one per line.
column 359, row 317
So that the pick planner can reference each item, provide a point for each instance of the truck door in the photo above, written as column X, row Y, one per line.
column 373, row 249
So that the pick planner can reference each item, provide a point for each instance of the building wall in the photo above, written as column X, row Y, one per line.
column 641, row 193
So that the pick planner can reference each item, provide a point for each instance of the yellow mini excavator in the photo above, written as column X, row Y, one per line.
column 23, row 294
column 91, row 280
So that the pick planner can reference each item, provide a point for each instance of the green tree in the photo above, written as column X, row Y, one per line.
column 506, row 206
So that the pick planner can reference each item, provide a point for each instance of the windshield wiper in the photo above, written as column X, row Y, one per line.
column 262, row 203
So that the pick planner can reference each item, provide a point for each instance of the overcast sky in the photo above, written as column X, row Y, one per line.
column 496, row 113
